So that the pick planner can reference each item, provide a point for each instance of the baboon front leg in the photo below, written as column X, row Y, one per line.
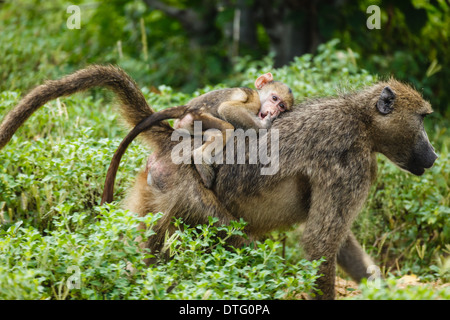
column 353, row 260
column 318, row 244
column 244, row 116
column 327, row 228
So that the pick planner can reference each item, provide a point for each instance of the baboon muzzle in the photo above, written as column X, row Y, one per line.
column 423, row 157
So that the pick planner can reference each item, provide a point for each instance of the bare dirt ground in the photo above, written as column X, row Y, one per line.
column 346, row 288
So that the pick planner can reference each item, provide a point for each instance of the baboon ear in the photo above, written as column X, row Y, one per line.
column 263, row 80
column 385, row 103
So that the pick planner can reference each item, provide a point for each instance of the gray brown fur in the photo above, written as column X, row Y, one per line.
column 327, row 163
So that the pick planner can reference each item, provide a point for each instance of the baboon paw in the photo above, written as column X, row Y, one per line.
column 267, row 122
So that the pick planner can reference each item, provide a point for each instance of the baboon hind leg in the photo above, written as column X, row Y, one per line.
column 200, row 201
column 213, row 139
column 353, row 260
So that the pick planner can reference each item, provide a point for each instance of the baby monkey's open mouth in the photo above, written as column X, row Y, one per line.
column 263, row 115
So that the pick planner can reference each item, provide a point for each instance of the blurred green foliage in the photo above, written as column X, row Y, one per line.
column 111, row 32
column 412, row 44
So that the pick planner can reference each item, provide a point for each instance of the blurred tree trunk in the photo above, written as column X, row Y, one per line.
column 198, row 22
column 248, row 38
column 292, row 26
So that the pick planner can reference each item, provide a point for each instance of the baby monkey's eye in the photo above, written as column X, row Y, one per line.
column 274, row 98
column 282, row 106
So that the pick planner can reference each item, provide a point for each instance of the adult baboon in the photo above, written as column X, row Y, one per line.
column 327, row 162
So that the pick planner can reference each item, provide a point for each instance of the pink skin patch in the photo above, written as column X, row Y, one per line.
column 158, row 172
column 184, row 123
column 272, row 106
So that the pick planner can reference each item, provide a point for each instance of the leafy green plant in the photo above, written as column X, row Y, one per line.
column 393, row 289
column 99, row 247
column 102, row 249
column 250, row 272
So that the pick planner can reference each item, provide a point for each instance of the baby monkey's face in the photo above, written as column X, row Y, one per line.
column 275, row 97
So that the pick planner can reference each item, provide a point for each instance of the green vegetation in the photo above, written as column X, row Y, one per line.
column 159, row 49
column 52, row 171
column 393, row 289
column 83, row 257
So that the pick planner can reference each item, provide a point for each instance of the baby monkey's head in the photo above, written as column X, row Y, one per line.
column 275, row 96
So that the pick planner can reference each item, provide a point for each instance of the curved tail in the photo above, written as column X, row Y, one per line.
column 155, row 118
column 134, row 107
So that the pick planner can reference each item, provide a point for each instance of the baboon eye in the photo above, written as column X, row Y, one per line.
column 282, row 106
column 274, row 98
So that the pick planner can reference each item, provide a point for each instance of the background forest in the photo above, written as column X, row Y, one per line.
column 52, row 171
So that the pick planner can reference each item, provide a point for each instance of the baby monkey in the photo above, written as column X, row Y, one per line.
column 222, row 109
column 232, row 108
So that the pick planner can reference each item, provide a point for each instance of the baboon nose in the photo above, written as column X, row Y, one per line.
column 435, row 155
column 429, row 159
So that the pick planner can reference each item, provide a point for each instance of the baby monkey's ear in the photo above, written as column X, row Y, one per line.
column 261, row 81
